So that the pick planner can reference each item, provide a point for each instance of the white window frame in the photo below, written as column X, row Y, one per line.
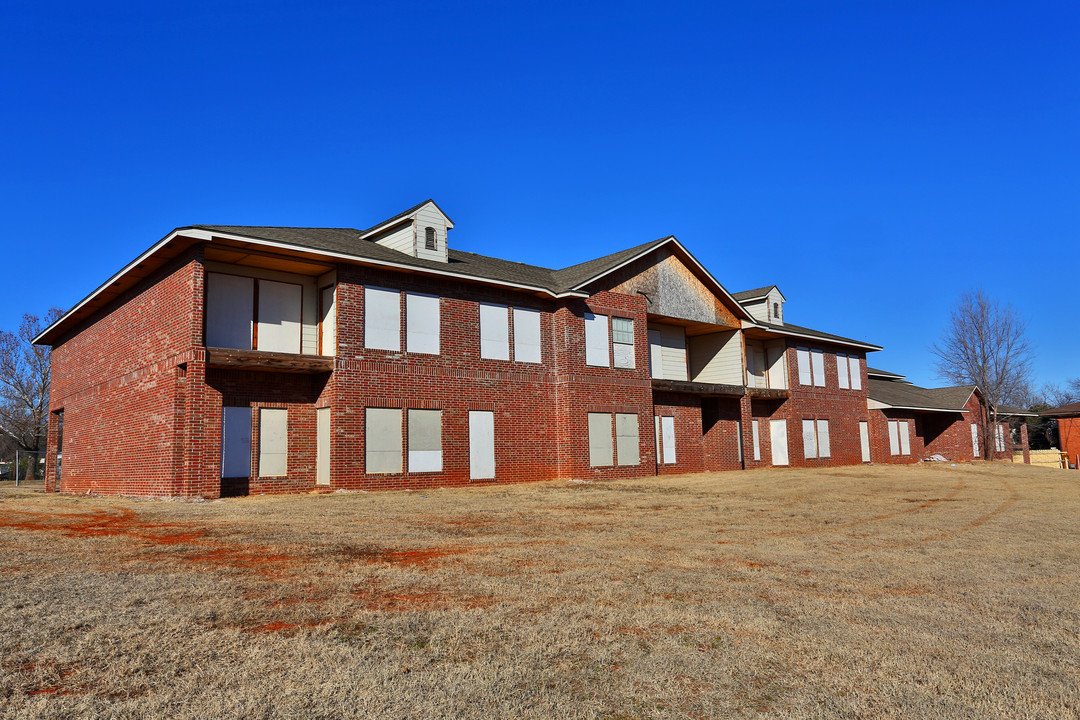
column 622, row 352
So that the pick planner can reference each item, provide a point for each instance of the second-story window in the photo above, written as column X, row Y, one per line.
column 430, row 242
column 811, row 367
column 776, row 311
column 246, row 313
column 622, row 339
column 597, row 349
column 495, row 333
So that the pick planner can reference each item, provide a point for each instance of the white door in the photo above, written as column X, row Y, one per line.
column 975, row 440
column 236, row 442
column 864, row 440
column 322, row 446
column 778, row 435
column 481, row 445
column 667, row 432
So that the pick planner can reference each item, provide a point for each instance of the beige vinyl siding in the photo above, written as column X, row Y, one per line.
column 671, row 353
column 716, row 358
column 427, row 217
column 309, row 297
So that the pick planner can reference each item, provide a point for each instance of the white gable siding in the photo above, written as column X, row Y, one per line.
column 774, row 299
column 716, row 358
column 401, row 238
column 427, row 217
column 758, row 310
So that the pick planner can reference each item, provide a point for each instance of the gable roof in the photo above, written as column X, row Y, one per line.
column 756, row 293
column 401, row 215
column 872, row 372
column 905, row 396
column 1070, row 410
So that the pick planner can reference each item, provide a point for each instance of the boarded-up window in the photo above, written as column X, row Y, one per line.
column 855, row 370
column 382, row 440
column 627, row 439
column 894, row 438
column 327, row 322
column 481, row 445
column 817, row 358
column 999, row 438
column 600, row 450
column 864, row 440
column 279, row 316
column 905, row 437
column 974, row 440
column 622, row 339
column 667, row 437
column 382, row 319
column 527, row 335
column 842, row 370
column 778, row 440
column 425, row 440
column 809, row 435
column 596, row 340
column 322, row 446
column 236, row 442
column 803, row 357
column 422, row 324
column 494, row 332
column 755, row 432
column 824, row 446
column 273, row 442
column 230, row 307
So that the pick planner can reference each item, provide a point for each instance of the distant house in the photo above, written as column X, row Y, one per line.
column 918, row 422
column 1068, row 420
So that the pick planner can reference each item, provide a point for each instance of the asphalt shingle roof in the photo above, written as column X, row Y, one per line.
column 811, row 333
column 906, row 395
column 1064, row 411
column 751, row 294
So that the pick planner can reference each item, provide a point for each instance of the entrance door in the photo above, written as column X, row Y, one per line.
column 778, row 436
column 322, row 446
column 864, row 440
column 235, row 450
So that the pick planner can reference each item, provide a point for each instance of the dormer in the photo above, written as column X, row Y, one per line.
column 419, row 232
column 765, row 304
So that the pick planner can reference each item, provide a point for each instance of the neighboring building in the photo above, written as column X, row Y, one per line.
column 229, row 360
column 913, row 423
column 1068, row 422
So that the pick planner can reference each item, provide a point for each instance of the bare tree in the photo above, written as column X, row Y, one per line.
column 24, row 383
column 985, row 344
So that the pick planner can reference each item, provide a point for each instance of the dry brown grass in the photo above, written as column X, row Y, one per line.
column 861, row 592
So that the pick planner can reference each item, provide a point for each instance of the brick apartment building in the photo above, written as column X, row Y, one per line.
column 231, row 360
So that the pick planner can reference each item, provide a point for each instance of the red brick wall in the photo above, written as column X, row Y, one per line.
column 116, row 378
column 1069, row 431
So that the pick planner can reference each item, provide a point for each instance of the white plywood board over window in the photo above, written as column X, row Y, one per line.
column 422, row 323
column 494, row 332
column 383, row 440
column 778, row 440
column 322, row 446
column 425, row 441
column 627, row 439
column 600, row 448
column 279, row 316
column 382, row 319
column 527, row 335
column 273, row 442
column 481, row 445
column 230, row 303
column 597, row 353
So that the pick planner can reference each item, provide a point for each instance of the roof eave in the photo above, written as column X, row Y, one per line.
column 834, row 340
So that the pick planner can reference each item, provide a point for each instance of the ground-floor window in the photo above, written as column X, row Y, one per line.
column 816, row 439
column 999, row 438
column 601, row 451
column 425, row 441
column 481, row 445
column 273, row 442
column 755, row 432
column 779, row 441
column 899, row 437
column 625, row 450
column 382, row 440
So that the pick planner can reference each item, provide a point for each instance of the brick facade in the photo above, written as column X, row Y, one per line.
column 143, row 402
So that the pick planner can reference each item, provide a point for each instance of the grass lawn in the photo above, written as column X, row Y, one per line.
column 865, row 592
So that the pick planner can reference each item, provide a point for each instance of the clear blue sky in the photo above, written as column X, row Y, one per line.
column 873, row 159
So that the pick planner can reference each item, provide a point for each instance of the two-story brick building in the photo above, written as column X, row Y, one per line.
column 229, row 360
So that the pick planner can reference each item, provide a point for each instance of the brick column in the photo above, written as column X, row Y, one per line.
column 1024, row 442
